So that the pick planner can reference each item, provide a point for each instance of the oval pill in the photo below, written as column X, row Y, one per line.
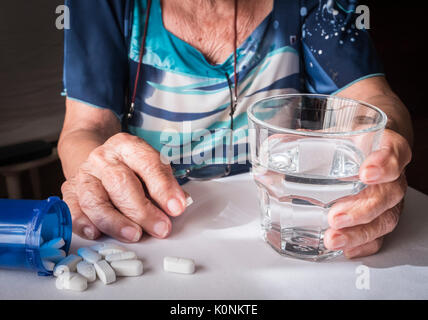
column 87, row 270
column 89, row 255
column 49, row 265
column 71, row 281
column 68, row 264
column 179, row 265
column 127, row 268
column 52, row 254
column 105, row 272
column 56, row 243
column 127, row 255
column 105, row 249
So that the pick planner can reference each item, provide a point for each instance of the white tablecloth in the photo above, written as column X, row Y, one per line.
column 221, row 232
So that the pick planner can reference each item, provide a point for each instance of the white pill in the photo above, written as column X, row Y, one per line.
column 105, row 272
column 71, row 281
column 189, row 201
column 87, row 270
column 178, row 265
column 127, row 268
column 127, row 255
column 52, row 254
column 105, row 249
column 56, row 243
column 68, row 264
column 49, row 265
column 89, row 255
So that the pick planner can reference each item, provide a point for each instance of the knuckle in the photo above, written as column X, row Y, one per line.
column 65, row 188
column 377, row 245
column 118, row 137
column 116, row 179
column 365, row 235
column 89, row 201
column 390, row 221
column 157, row 169
column 161, row 181
column 144, row 214
column 97, row 156
column 123, row 138
column 371, row 205
column 403, row 149
column 394, row 166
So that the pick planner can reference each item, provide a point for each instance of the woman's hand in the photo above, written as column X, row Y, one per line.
column 122, row 189
column 359, row 223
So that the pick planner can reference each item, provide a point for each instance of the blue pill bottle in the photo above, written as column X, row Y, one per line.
column 25, row 225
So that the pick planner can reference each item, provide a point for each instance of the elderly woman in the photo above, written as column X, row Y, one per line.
column 137, row 71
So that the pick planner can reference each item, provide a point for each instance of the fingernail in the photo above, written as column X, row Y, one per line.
column 342, row 220
column 371, row 174
column 130, row 233
column 175, row 207
column 89, row 232
column 161, row 229
column 338, row 241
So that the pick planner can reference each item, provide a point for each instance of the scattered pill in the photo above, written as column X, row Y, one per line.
column 127, row 268
column 89, row 255
column 179, row 265
column 68, row 264
column 105, row 272
column 52, row 254
column 56, row 243
column 110, row 248
column 49, row 265
column 71, row 281
column 127, row 255
column 87, row 270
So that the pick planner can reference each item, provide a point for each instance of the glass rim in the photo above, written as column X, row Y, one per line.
column 377, row 127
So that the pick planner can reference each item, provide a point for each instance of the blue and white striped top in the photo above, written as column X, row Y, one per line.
column 183, row 102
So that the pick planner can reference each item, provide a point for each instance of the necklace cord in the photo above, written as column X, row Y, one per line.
column 140, row 60
column 142, row 47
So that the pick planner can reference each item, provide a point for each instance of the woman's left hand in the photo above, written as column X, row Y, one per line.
column 359, row 223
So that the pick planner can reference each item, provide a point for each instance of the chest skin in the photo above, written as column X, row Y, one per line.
column 208, row 25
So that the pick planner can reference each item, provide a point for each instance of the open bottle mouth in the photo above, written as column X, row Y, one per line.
column 319, row 115
column 53, row 221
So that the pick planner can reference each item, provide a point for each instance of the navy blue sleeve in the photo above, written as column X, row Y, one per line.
column 95, row 53
column 336, row 52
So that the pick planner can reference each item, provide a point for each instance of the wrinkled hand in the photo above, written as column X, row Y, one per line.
column 359, row 223
column 122, row 189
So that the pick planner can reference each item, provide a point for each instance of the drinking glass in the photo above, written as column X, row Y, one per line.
column 306, row 152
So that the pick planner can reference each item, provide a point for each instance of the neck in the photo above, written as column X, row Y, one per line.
column 214, row 8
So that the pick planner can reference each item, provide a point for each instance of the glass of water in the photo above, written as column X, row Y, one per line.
column 306, row 151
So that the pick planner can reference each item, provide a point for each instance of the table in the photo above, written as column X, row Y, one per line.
column 221, row 232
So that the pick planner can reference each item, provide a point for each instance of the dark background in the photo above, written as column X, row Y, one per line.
column 398, row 30
column 31, row 71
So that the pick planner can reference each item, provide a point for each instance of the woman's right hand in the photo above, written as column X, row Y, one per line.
column 123, row 189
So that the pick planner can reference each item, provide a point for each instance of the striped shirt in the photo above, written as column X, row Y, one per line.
column 183, row 102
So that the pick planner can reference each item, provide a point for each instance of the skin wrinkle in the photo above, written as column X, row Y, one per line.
column 197, row 23
column 369, row 199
